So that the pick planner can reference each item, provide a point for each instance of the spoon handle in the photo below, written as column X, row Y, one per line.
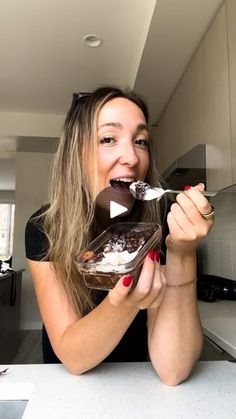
column 210, row 193
column 205, row 193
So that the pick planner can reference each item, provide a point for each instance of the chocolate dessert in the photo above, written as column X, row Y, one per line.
column 119, row 250
column 140, row 189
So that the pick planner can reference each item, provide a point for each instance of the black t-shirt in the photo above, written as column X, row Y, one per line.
column 133, row 345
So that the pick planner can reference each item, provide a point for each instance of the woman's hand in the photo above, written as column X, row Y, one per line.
column 186, row 222
column 149, row 290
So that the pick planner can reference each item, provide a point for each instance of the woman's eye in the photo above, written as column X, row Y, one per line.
column 107, row 140
column 141, row 142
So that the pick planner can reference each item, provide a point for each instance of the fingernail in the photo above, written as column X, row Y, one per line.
column 158, row 255
column 152, row 255
column 187, row 187
column 127, row 280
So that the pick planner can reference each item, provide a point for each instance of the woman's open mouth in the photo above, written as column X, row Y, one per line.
column 121, row 185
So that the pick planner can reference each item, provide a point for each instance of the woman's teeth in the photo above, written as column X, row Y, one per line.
column 121, row 183
column 123, row 179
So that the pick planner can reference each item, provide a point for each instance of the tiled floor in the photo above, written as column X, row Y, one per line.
column 30, row 350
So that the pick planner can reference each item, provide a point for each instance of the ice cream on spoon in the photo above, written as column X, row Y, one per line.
column 143, row 191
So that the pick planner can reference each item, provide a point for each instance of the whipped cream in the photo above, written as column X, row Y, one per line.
column 113, row 261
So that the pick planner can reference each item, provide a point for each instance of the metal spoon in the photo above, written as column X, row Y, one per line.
column 144, row 192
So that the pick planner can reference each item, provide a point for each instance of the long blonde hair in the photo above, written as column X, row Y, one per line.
column 69, row 219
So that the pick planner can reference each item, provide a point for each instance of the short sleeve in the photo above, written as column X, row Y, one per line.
column 36, row 243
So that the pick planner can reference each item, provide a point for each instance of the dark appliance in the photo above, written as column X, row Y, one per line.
column 211, row 288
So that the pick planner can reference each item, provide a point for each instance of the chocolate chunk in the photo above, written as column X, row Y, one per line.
column 140, row 189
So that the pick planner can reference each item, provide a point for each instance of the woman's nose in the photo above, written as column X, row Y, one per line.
column 128, row 155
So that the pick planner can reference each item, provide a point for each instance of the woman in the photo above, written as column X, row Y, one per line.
column 106, row 138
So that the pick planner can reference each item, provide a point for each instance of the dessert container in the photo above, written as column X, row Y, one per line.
column 118, row 243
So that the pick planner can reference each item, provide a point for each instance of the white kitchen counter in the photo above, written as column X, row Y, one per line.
column 118, row 391
column 219, row 323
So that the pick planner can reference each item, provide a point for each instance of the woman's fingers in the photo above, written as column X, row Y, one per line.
column 149, row 285
column 185, row 219
column 196, row 205
column 119, row 293
column 200, row 201
column 148, row 290
column 145, row 280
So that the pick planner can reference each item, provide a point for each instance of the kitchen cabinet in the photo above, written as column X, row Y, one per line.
column 181, row 126
column 216, row 104
column 212, row 352
column 202, row 109
column 231, row 26
column 218, row 321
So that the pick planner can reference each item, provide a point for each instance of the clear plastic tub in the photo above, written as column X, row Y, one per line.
column 118, row 251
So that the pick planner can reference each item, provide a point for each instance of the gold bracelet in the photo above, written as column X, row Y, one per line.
column 185, row 284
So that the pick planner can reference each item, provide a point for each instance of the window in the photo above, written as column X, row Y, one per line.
column 7, row 212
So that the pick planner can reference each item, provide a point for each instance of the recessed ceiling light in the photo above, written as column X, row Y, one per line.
column 92, row 40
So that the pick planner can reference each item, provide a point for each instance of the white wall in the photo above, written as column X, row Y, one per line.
column 32, row 177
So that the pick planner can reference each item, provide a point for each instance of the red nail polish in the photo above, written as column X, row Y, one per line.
column 152, row 255
column 187, row 187
column 127, row 280
column 158, row 255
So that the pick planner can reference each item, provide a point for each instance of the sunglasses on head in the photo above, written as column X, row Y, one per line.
column 77, row 98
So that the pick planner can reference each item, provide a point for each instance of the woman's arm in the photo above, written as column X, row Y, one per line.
column 80, row 343
column 175, row 333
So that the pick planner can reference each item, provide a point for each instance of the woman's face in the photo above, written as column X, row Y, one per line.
column 123, row 137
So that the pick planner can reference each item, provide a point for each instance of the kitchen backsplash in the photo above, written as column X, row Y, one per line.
column 217, row 253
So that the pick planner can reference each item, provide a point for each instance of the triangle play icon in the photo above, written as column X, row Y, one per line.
column 116, row 209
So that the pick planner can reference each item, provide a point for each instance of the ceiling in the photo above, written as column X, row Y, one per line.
column 146, row 45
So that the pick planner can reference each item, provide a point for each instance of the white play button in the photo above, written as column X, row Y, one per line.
column 110, row 205
column 116, row 209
